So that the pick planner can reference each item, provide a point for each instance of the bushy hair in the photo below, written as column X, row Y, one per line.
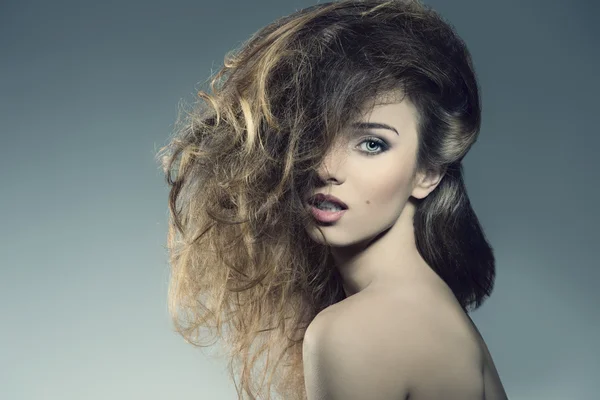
column 242, row 160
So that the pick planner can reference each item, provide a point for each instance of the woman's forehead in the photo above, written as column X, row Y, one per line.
column 393, row 116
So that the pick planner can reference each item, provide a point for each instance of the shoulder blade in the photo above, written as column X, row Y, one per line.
column 379, row 350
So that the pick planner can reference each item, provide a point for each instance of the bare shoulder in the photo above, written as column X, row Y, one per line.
column 391, row 346
column 346, row 358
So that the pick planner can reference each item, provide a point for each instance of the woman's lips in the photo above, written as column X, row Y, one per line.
column 320, row 197
column 326, row 216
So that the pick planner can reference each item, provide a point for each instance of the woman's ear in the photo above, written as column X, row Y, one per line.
column 426, row 182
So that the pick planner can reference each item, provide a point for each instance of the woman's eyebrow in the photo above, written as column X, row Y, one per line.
column 373, row 125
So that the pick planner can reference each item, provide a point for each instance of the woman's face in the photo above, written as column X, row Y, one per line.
column 372, row 173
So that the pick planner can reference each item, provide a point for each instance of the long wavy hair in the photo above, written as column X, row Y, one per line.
column 243, row 158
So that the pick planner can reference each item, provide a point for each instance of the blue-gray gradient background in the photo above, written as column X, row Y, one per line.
column 89, row 90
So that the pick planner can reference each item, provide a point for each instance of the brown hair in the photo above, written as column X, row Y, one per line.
column 242, row 160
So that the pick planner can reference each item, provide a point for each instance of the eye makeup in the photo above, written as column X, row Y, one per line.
column 374, row 139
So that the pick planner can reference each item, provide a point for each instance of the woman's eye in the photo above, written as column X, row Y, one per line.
column 374, row 142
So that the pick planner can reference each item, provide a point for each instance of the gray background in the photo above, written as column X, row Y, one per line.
column 89, row 90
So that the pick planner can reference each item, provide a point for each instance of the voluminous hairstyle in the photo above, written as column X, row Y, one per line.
column 243, row 159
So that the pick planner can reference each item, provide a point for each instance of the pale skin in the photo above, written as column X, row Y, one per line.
column 400, row 333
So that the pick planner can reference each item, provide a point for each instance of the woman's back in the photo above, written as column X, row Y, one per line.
column 463, row 366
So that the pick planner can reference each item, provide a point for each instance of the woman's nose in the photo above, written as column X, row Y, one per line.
column 332, row 166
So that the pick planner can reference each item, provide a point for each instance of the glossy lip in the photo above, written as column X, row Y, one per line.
column 326, row 216
column 319, row 197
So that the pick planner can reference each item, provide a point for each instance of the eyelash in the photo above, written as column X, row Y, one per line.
column 381, row 143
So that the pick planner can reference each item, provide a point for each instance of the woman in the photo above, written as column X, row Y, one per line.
column 363, row 294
